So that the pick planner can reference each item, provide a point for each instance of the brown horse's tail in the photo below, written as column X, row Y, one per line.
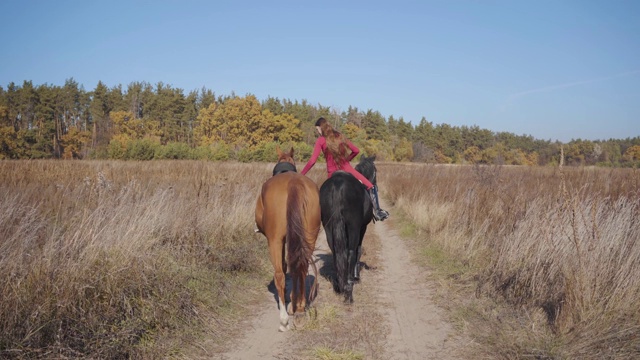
column 299, row 253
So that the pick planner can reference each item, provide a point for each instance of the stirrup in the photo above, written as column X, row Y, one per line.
column 380, row 215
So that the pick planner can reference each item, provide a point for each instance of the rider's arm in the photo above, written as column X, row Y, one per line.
column 317, row 149
column 354, row 151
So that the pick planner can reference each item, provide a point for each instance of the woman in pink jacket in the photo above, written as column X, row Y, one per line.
column 334, row 146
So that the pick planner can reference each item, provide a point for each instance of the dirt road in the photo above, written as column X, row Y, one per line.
column 393, row 316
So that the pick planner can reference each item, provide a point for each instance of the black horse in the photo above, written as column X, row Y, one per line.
column 346, row 211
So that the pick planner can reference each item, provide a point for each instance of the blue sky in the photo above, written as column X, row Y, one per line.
column 551, row 69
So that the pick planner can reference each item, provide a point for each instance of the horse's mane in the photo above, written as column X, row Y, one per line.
column 367, row 168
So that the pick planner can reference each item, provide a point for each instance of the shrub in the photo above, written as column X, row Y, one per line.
column 143, row 149
column 174, row 150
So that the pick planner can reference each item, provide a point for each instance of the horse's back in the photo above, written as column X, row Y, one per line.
column 271, row 209
column 344, row 195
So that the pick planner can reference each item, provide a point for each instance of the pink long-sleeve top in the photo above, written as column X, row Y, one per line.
column 321, row 147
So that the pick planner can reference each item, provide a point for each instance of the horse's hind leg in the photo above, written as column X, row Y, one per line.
column 352, row 260
column 356, row 273
column 276, row 253
column 279, row 278
column 356, row 270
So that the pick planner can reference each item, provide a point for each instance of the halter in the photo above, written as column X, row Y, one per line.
column 283, row 167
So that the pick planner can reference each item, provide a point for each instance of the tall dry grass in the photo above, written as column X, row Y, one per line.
column 124, row 259
column 560, row 246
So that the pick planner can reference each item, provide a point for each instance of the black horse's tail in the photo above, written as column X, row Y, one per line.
column 340, row 244
column 299, row 253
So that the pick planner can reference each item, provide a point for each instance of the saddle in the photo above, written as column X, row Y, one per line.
column 284, row 167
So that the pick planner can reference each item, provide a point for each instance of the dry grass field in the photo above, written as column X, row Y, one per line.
column 112, row 259
column 125, row 259
column 537, row 262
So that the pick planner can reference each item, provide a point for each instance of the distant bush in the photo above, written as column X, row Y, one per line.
column 143, row 149
column 174, row 150
column 214, row 152
column 117, row 150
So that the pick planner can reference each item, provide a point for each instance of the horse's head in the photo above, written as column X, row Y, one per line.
column 285, row 162
column 285, row 156
column 367, row 168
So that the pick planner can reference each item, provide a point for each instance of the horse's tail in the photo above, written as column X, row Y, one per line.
column 299, row 254
column 340, row 244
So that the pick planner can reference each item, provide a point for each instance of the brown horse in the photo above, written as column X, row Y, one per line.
column 288, row 213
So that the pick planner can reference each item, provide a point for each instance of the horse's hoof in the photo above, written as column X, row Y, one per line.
column 282, row 328
column 298, row 321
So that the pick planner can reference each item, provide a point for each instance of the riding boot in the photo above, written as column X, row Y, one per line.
column 378, row 213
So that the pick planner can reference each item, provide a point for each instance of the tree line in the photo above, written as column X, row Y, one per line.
column 146, row 121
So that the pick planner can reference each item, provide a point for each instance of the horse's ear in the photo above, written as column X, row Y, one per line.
column 373, row 157
column 278, row 151
column 291, row 152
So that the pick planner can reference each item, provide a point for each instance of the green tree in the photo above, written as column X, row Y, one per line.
column 99, row 108
column 375, row 126
column 392, row 125
column 404, row 129
column 353, row 116
column 167, row 107
column 403, row 151
column 425, row 133
column 206, row 97
column 273, row 105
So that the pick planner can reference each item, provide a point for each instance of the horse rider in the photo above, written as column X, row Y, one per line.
column 333, row 145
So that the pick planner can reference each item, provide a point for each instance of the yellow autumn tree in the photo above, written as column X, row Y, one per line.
column 516, row 157
column 472, row 155
column 127, row 127
column 240, row 121
column 632, row 153
column 208, row 130
column 284, row 128
column 4, row 111
column 8, row 143
column 381, row 149
column 73, row 142
column 237, row 121
column 441, row 158
column 532, row 158
column 356, row 134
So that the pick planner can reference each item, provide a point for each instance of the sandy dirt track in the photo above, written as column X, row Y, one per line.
column 412, row 327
